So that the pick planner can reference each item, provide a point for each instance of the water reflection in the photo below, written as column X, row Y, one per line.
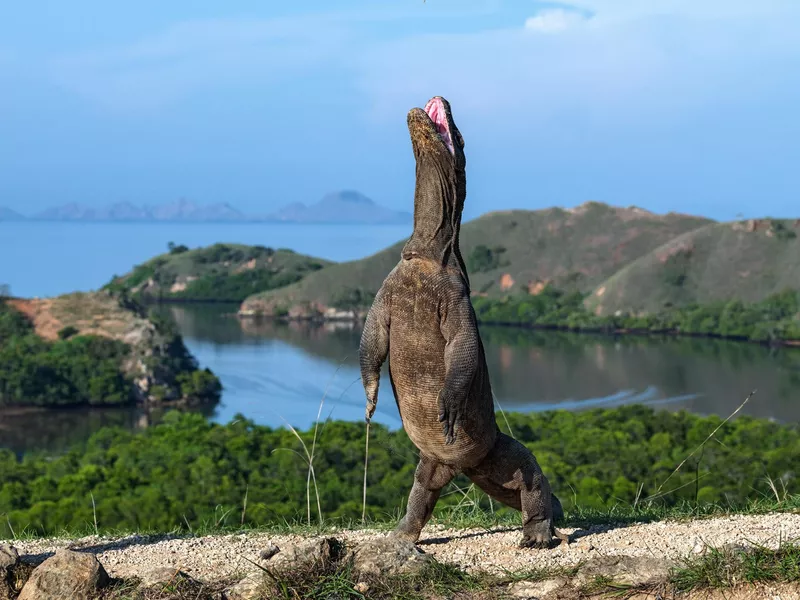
column 54, row 431
column 290, row 366
column 556, row 370
column 277, row 373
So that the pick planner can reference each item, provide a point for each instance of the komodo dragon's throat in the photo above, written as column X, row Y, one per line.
column 423, row 321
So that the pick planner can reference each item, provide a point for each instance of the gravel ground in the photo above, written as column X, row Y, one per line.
column 225, row 556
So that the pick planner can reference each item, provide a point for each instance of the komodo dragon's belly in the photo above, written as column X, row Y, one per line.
column 416, row 367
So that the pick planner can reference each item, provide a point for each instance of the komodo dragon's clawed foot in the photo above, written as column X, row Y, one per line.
column 543, row 536
column 526, row 542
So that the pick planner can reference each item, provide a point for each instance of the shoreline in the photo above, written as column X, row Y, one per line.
column 321, row 320
column 356, row 318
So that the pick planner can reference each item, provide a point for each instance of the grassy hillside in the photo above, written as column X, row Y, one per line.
column 222, row 272
column 94, row 349
column 505, row 251
column 747, row 261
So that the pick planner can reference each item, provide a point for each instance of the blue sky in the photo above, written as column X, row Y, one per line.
column 679, row 105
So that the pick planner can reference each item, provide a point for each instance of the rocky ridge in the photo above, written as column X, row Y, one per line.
column 637, row 558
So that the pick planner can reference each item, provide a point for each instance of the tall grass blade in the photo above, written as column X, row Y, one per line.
column 364, row 492
column 702, row 445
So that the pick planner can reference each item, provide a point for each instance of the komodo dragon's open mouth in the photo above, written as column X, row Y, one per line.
column 434, row 126
column 437, row 112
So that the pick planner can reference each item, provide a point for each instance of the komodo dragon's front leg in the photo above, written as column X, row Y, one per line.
column 462, row 359
column 374, row 348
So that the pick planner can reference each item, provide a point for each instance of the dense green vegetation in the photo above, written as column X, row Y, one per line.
column 221, row 273
column 483, row 259
column 777, row 318
column 187, row 471
column 73, row 370
column 90, row 369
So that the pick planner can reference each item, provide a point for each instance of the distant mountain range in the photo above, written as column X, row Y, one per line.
column 6, row 214
column 339, row 207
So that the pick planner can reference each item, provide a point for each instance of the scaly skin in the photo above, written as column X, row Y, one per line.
column 423, row 321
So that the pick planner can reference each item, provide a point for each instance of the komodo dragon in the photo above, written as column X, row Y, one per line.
column 423, row 321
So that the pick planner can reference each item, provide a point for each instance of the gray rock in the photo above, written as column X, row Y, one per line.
column 382, row 556
column 9, row 562
column 252, row 587
column 318, row 552
column 389, row 556
column 626, row 570
column 67, row 574
column 268, row 552
column 308, row 554
column 162, row 576
column 9, row 557
column 538, row 590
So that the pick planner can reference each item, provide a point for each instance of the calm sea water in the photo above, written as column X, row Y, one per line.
column 279, row 373
column 47, row 259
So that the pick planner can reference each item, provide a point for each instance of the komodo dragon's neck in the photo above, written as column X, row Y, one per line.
column 438, row 202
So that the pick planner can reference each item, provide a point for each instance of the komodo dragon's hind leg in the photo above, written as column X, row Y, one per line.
column 511, row 475
column 429, row 479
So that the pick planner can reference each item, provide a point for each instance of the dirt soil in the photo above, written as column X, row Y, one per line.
column 91, row 313
column 39, row 312
column 495, row 551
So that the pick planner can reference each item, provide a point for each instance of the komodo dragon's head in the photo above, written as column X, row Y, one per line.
column 441, row 185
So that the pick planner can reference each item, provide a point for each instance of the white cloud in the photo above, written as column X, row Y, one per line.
column 612, row 60
column 615, row 63
column 554, row 20
column 191, row 56
column 693, row 9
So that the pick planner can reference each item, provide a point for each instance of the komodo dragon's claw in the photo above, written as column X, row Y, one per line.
column 449, row 416
column 449, row 434
column 543, row 540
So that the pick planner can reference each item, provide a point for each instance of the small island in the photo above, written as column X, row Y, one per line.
column 95, row 349
column 217, row 273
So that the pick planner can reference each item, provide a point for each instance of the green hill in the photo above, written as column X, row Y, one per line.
column 222, row 272
column 746, row 261
column 505, row 251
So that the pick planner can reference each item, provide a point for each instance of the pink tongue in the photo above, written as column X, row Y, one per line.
column 435, row 110
column 436, row 114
